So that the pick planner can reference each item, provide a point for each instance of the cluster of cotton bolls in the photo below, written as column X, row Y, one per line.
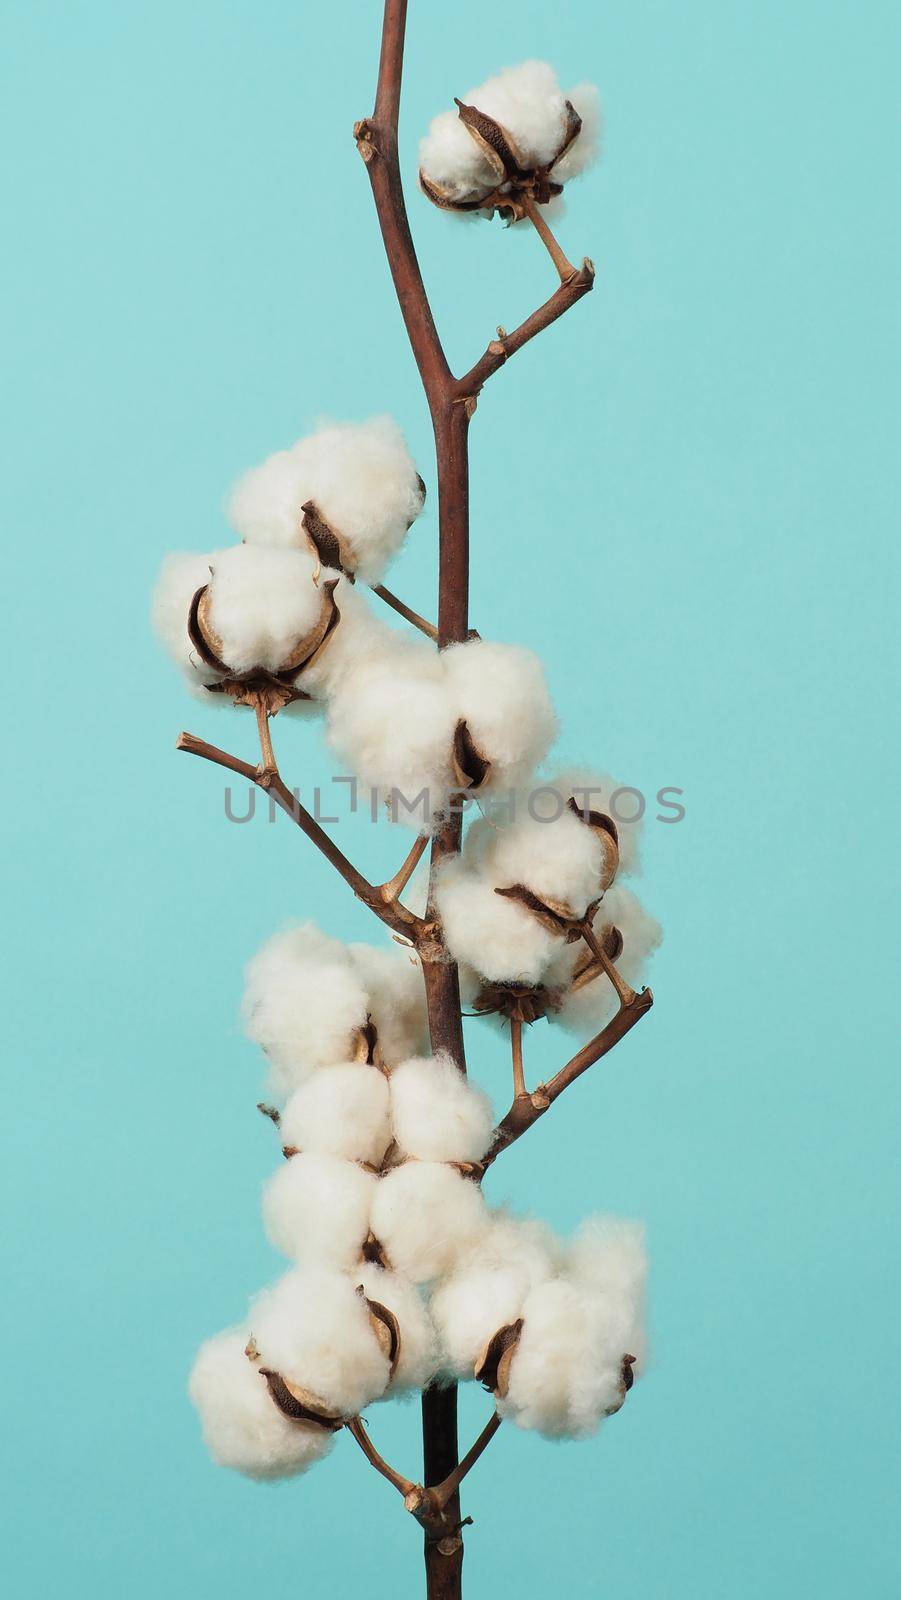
column 516, row 131
column 400, row 1273
column 516, row 903
column 336, row 504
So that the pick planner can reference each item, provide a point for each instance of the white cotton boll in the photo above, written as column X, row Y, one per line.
column 264, row 506
column 316, row 1209
column 588, row 1009
column 180, row 577
column 500, row 692
column 489, row 1287
column 528, row 103
column 340, row 1111
column 585, row 148
column 418, row 1359
column 437, row 1114
column 393, row 981
column 313, row 1328
column 242, row 1427
column 554, row 854
column 303, row 1004
column 495, row 936
column 391, row 721
column 423, row 1215
column 262, row 603
column 450, row 157
column 364, row 483
column 567, row 1371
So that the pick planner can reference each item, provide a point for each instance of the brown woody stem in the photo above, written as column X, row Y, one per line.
column 396, row 916
column 391, row 891
column 356, row 1427
column 623, row 989
column 527, row 1109
column 270, row 765
column 405, row 611
column 519, row 1082
column 561, row 261
column 442, row 1492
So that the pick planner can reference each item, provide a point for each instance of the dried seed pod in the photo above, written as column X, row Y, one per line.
column 471, row 768
column 607, row 832
column 298, row 1404
column 626, row 1381
column 325, row 540
column 492, row 1368
column 555, row 915
column 519, row 1001
column 210, row 648
column 386, row 1328
column 496, row 143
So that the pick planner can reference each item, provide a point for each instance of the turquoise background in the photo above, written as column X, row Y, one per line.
column 683, row 499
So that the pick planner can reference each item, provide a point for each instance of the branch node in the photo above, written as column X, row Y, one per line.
column 363, row 134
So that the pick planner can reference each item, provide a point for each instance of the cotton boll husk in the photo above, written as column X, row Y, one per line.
column 343, row 1111
column 567, row 1370
column 303, row 1004
column 494, row 936
column 528, row 103
column 393, row 982
column 180, row 577
column 314, row 1329
column 418, row 1361
column 364, row 482
column 391, row 720
column 316, row 1209
column 489, row 1287
column 437, row 1114
column 450, row 157
column 585, row 148
column 423, row 1215
column 588, row 1009
column 501, row 693
column 262, row 602
column 597, row 791
column 242, row 1427
column 558, row 857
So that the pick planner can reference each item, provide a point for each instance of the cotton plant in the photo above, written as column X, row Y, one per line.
column 401, row 1274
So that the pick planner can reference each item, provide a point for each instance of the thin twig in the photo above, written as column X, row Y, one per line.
column 442, row 1492
column 266, row 751
column 561, row 261
column 394, row 915
column 357, row 1429
column 391, row 891
column 623, row 989
column 405, row 611
column 528, row 1108
column 507, row 344
column 519, row 1082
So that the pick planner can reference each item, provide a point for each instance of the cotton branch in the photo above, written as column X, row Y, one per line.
column 526, row 1109
column 267, row 778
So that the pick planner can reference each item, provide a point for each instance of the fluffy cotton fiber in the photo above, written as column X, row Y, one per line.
column 314, row 1328
column 496, row 937
column 529, row 105
column 341, row 1111
column 303, row 1004
column 263, row 604
column 308, row 997
column 489, row 1286
column 423, row 1215
column 393, row 720
column 361, row 479
column 242, row 1427
column 553, row 853
column 437, row 1114
column 418, row 1360
column 316, row 1209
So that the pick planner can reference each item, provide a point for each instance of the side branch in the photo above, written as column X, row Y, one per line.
column 391, row 912
column 527, row 1108
column 507, row 344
